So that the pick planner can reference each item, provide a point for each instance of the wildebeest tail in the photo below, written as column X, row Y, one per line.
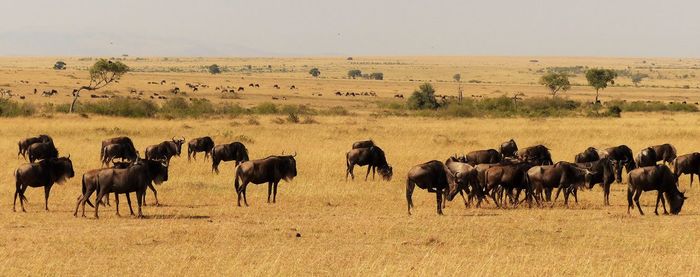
column 235, row 178
column 84, row 188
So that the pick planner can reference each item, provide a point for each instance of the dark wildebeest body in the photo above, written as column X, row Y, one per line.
column 465, row 175
column 506, row 178
column 165, row 150
column 488, row 156
column 118, row 151
column 646, row 157
column 134, row 178
column 562, row 175
column 42, row 174
column 587, row 156
column 117, row 140
column 435, row 177
column 687, row 164
column 659, row 178
column 665, row 153
column 269, row 170
column 41, row 151
column 24, row 144
column 234, row 151
column 203, row 144
column 509, row 148
column 621, row 156
column 363, row 144
column 537, row 155
column 373, row 157
column 603, row 173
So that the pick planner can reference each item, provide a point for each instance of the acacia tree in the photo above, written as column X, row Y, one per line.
column 637, row 78
column 354, row 73
column 599, row 78
column 555, row 82
column 458, row 78
column 102, row 73
column 214, row 69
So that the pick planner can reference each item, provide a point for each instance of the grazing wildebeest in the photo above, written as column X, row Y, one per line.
column 435, row 177
column 269, row 170
column 538, row 155
column 621, row 156
column 506, row 178
column 41, row 151
column 121, row 151
column 509, row 148
column 234, row 151
column 603, row 173
column 135, row 178
column 646, row 157
column 587, row 156
column 203, row 144
column 363, row 144
column 687, row 164
column 488, row 156
column 165, row 150
column 117, row 140
column 373, row 157
column 42, row 174
column 659, row 178
column 665, row 153
column 562, row 175
column 465, row 175
column 24, row 144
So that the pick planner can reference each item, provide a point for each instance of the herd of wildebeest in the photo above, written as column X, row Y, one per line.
column 509, row 176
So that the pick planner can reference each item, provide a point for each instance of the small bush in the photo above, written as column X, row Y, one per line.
column 9, row 108
column 120, row 106
column 292, row 118
column 266, row 108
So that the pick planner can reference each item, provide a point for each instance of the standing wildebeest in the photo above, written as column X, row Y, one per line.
column 117, row 140
column 538, row 154
column 121, row 151
column 488, row 156
column 687, row 164
column 646, row 157
column 134, row 178
column 24, row 144
column 587, row 156
column 269, row 170
column 659, row 178
column 603, row 173
column 203, row 144
column 41, row 151
column 165, row 150
column 234, row 151
column 506, row 178
column 363, row 144
column 665, row 153
column 42, row 174
column 621, row 156
column 562, row 175
column 373, row 157
column 466, row 176
column 435, row 177
column 509, row 148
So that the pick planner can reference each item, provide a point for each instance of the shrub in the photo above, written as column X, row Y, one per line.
column 377, row 76
column 214, row 69
column 423, row 98
column 292, row 118
column 120, row 106
column 9, row 108
column 266, row 108
column 354, row 73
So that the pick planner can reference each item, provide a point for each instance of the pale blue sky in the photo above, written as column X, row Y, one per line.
column 351, row 27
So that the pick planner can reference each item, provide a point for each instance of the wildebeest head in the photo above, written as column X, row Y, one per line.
column 178, row 143
column 158, row 170
column 386, row 172
column 288, row 167
column 61, row 168
column 454, row 185
column 676, row 201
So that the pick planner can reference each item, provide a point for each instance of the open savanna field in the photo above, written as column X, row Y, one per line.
column 321, row 223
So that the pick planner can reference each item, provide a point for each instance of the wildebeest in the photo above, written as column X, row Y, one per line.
column 665, row 153
column 621, row 156
column 373, row 157
column 121, row 151
column 487, row 156
column 363, row 144
column 435, row 177
column 506, row 178
column 466, row 176
column 269, row 170
column 687, row 164
column 538, row 155
column 562, row 175
column 165, row 150
column 117, row 140
column 646, row 157
column 203, row 144
column 135, row 178
column 41, row 151
column 24, row 144
column 587, row 156
column 603, row 173
column 42, row 174
column 659, row 178
column 509, row 148
column 234, row 151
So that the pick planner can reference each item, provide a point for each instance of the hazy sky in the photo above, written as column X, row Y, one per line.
column 350, row 27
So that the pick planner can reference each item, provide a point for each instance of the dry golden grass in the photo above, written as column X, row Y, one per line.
column 347, row 228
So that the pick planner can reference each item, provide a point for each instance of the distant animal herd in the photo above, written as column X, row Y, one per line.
column 508, row 176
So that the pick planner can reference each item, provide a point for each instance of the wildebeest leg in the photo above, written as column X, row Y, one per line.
column 374, row 171
column 128, row 201
column 47, row 190
column 140, row 195
column 155, row 194
column 84, row 199
column 22, row 198
column 438, row 194
column 269, row 191
column 100, row 194
column 116, row 203
column 576, row 195
column 548, row 194
column 629, row 200
column 351, row 167
column 274, row 193
column 466, row 204
column 691, row 180
column 606, row 194
column 369, row 167
column 409, row 193
column 663, row 204
column 637, row 195
column 245, row 199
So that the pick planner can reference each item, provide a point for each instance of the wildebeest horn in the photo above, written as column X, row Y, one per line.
column 173, row 138
column 68, row 156
column 295, row 154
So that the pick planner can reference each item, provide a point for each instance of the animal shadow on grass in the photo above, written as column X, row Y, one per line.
column 176, row 216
